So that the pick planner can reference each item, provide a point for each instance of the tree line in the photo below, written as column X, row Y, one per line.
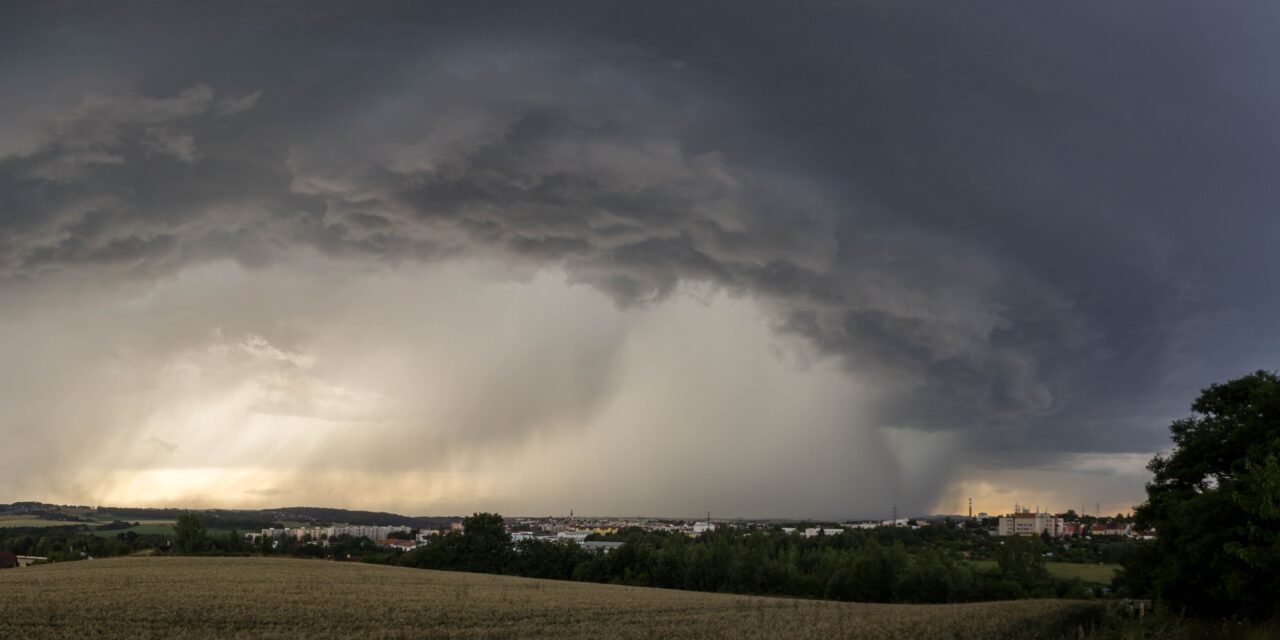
column 865, row 566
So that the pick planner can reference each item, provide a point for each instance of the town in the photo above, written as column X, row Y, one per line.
column 1022, row 553
column 592, row 533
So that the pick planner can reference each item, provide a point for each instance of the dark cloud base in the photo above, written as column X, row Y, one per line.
column 1041, row 229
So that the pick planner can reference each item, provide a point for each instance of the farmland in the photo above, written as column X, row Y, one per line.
column 31, row 521
column 279, row 598
column 161, row 527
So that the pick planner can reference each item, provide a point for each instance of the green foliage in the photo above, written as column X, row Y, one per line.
column 482, row 546
column 1215, row 504
column 266, row 546
column 189, row 534
column 234, row 542
column 888, row 565
column 1022, row 558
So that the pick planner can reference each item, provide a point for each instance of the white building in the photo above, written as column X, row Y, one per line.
column 573, row 536
column 316, row 534
column 1026, row 523
column 861, row 525
column 602, row 547
column 813, row 532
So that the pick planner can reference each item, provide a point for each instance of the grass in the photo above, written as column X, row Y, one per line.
column 282, row 598
column 1088, row 573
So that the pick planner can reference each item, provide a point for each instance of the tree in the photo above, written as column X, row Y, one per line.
column 235, row 543
column 1022, row 559
column 486, row 545
column 1214, row 503
column 189, row 534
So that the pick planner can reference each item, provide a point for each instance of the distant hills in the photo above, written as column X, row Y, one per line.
column 247, row 519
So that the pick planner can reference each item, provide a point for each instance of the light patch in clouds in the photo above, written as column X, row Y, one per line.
column 163, row 445
column 1115, row 482
column 465, row 387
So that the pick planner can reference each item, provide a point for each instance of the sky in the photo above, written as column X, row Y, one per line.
column 805, row 259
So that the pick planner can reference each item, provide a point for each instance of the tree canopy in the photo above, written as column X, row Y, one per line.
column 1214, row 502
column 189, row 534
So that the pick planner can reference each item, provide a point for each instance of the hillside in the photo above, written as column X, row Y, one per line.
column 39, row 514
column 278, row 598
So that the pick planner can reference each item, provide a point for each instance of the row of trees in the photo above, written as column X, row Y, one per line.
column 870, row 566
column 61, row 544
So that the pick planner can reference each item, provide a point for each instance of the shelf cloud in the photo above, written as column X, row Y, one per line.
column 815, row 260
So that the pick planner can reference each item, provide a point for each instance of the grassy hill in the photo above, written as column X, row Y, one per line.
column 280, row 598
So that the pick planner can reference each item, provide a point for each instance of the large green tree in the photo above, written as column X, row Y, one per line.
column 486, row 545
column 1214, row 502
column 189, row 534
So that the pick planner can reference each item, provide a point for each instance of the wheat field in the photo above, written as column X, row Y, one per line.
column 282, row 598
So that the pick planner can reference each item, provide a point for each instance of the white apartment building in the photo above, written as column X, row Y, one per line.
column 328, row 533
column 813, row 532
column 1025, row 523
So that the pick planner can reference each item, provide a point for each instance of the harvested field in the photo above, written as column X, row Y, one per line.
column 280, row 598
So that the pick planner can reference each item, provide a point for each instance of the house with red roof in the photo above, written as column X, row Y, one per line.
column 403, row 545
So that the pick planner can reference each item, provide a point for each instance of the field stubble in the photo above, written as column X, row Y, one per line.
column 280, row 598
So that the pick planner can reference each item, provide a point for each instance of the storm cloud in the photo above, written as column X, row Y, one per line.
column 949, row 242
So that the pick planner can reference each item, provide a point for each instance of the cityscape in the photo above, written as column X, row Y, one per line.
column 579, row 530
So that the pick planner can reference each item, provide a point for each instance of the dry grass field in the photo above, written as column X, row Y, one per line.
column 280, row 598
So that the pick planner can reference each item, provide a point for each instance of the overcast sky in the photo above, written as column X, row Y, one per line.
column 803, row 259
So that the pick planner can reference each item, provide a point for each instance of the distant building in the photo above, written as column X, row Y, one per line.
column 703, row 527
column 573, row 536
column 812, row 532
column 395, row 543
column 1026, row 523
column 1110, row 529
column 601, row 547
column 316, row 534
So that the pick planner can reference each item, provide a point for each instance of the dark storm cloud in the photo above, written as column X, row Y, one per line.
column 1037, row 226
